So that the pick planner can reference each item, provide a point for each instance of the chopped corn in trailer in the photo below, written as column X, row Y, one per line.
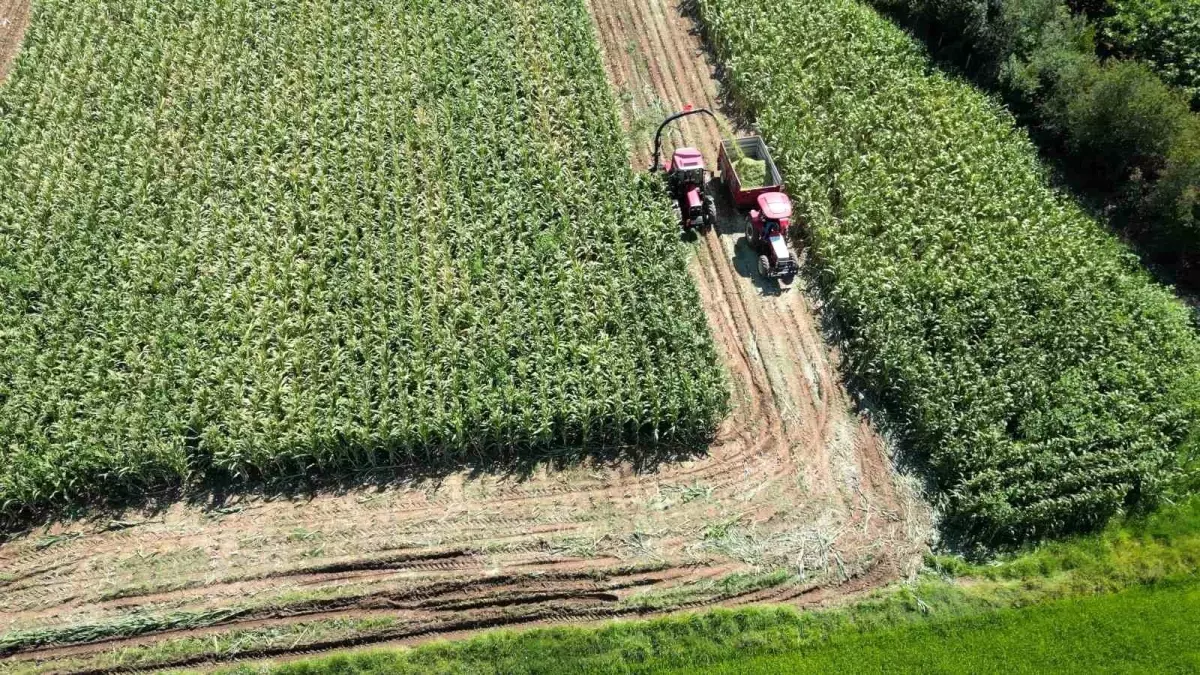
column 743, row 194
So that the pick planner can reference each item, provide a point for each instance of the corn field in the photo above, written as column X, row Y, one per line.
column 252, row 238
column 1014, row 343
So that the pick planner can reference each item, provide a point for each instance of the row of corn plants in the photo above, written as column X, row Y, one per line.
column 1018, row 347
column 253, row 238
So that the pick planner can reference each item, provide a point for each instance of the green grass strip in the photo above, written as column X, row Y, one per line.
column 1140, row 630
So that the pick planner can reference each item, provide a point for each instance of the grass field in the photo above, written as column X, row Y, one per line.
column 1163, row 546
column 1017, row 345
column 1136, row 631
column 276, row 239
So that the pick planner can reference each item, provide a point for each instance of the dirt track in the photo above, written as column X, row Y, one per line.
column 796, row 481
column 14, row 17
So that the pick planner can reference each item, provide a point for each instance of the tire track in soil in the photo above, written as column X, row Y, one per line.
column 799, row 475
column 14, row 19
column 779, row 325
column 442, row 601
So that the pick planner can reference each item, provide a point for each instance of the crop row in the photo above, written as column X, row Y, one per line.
column 1018, row 346
column 264, row 238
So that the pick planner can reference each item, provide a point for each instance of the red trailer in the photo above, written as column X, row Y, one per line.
column 754, row 148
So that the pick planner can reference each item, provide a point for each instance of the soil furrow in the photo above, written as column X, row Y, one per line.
column 14, row 19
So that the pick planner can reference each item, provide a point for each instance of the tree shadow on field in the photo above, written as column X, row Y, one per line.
column 429, row 469
column 1072, row 174
column 218, row 491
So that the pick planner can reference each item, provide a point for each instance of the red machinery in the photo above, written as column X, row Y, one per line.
column 766, row 233
column 770, row 208
column 688, row 179
column 771, row 211
column 753, row 147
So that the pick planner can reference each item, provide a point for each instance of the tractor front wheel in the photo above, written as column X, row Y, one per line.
column 764, row 267
column 710, row 213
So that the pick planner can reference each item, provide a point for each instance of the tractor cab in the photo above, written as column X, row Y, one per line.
column 687, row 166
column 774, row 213
column 687, row 179
column 767, row 235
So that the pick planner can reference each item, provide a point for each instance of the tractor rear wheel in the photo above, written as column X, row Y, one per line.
column 750, row 234
column 764, row 266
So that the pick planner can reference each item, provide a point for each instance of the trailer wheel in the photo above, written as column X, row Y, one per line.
column 764, row 266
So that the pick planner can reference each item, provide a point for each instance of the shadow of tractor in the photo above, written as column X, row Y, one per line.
column 731, row 223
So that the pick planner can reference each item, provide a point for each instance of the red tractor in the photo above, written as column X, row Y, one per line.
column 688, row 180
column 766, row 233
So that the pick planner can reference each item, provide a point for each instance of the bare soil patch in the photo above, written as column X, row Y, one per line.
column 14, row 18
column 796, row 480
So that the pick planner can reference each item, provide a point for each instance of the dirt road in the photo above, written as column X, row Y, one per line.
column 795, row 502
column 14, row 17
column 791, row 397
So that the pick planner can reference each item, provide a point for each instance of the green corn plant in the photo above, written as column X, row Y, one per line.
column 1015, row 344
column 255, row 239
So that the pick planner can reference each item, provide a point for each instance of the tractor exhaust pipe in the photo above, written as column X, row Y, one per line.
column 689, row 110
